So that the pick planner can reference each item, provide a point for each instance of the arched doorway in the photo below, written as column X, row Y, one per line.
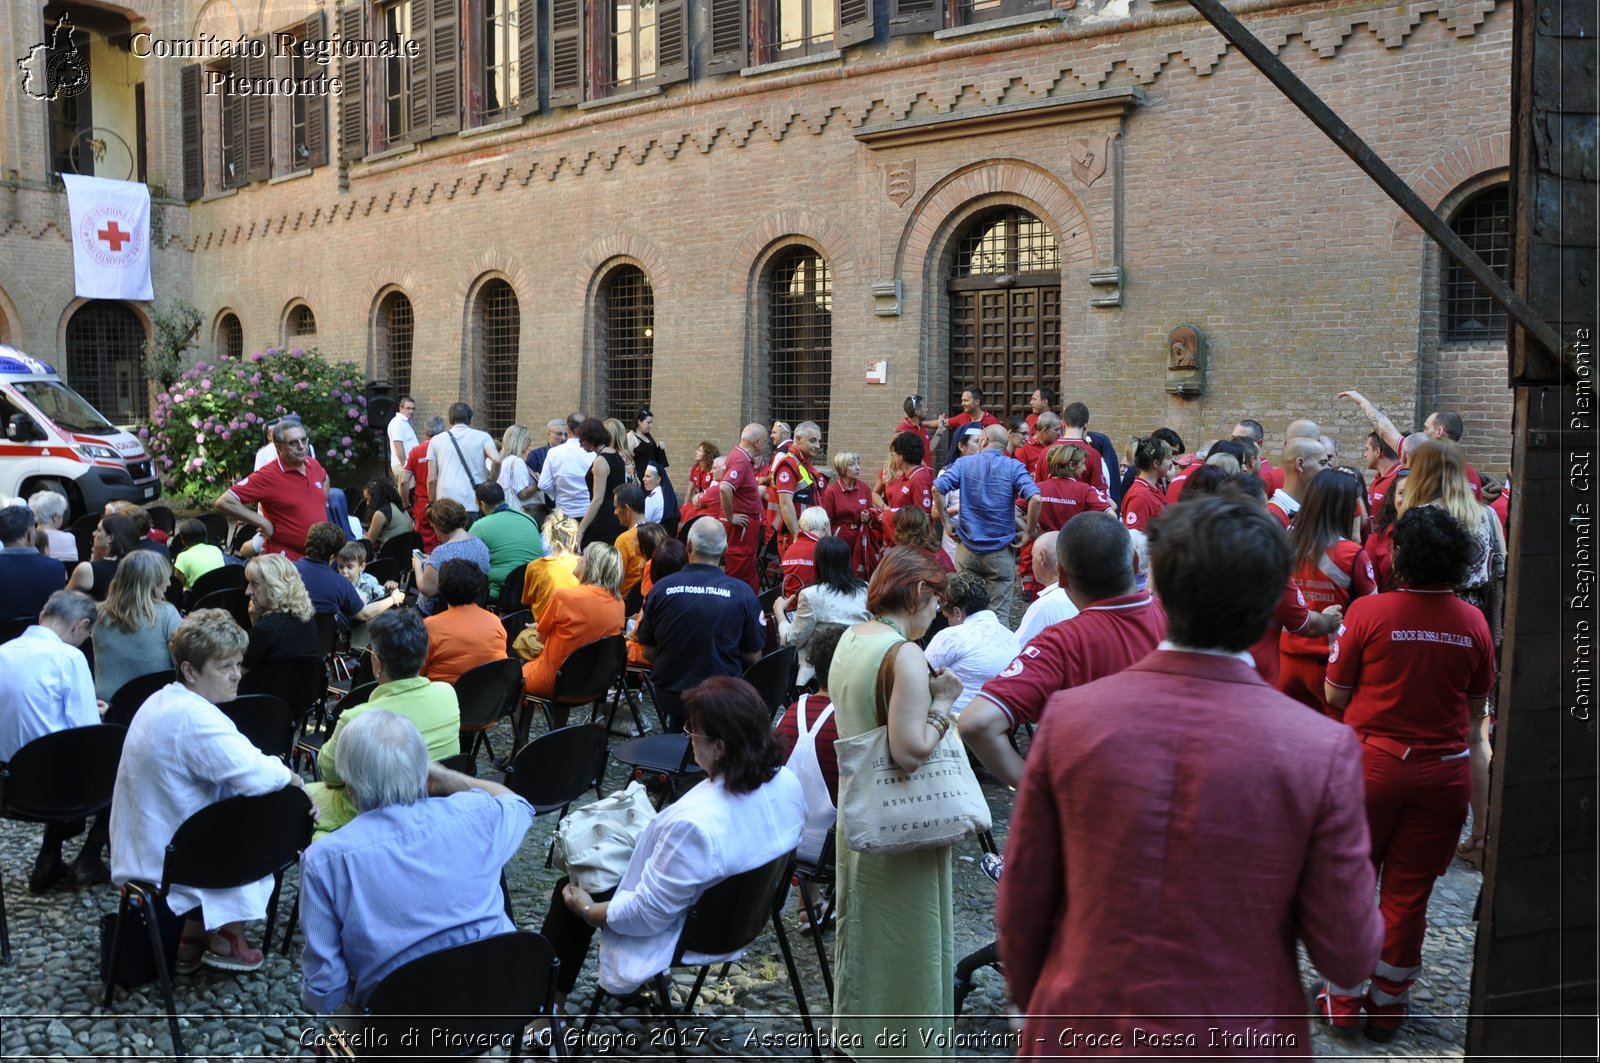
column 1005, row 310
column 105, row 360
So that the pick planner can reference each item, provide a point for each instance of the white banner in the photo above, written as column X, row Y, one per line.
column 110, row 237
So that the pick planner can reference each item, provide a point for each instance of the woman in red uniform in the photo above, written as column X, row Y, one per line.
column 1331, row 569
column 847, row 499
column 1412, row 671
column 1145, row 495
column 907, row 482
column 1062, row 496
column 700, row 476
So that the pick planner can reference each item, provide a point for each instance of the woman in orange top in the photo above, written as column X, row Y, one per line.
column 464, row 635
column 577, row 616
column 556, row 571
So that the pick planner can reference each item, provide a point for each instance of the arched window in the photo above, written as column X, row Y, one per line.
column 396, row 326
column 105, row 360
column 1468, row 314
column 1005, row 310
column 301, row 324
column 499, row 321
column 628, row 323
column 799, row 338
column 230, row 336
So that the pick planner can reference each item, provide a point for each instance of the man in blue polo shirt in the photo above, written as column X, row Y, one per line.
column 699, row 622
column 990, row 482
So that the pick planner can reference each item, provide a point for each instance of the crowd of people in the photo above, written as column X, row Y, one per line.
column 998, row 580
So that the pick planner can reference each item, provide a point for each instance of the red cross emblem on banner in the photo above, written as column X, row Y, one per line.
column 114, row 236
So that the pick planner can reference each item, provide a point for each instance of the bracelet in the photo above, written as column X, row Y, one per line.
column 585, row 914
column 939, row 723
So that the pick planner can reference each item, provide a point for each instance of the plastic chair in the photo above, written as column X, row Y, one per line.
column 484, row 992
column 265, row 720
column 161, row 518
column 585, row 677
column 233, row 842
column 216, row 527
column 10, row 629
column 515, row 623
column 399, row 549
column 485, row 694
column 726, row 919
column 299, row 682
column 82, row 530
column 134, row 693
column 231, row 598
column 510, row 599
column 822, row 876
column 556, row 769
column 772, row 676
column 310, row 744
column 63, row 776
column 228, row 577
column 384, row 569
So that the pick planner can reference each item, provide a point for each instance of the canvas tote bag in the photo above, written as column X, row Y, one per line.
column 885, row 809
column 594, row 843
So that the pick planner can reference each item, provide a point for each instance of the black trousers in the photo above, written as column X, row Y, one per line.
column 569, row 935
column 56, row 833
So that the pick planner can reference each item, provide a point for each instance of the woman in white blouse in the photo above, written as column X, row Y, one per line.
column 747, row 813
column 182, row 754
column 837, row 597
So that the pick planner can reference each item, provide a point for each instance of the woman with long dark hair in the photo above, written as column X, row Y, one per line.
column 1331, row 568
column 607, row 473
column 386, row 513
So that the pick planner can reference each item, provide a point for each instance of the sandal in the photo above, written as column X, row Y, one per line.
column 190, row 948
column 239, row 957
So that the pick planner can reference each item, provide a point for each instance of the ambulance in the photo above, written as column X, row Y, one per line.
column 55, row 441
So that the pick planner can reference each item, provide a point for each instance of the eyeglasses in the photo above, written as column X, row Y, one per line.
column 693, row 734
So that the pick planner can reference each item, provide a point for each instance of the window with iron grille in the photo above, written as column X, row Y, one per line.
column 302, row 322
column 799, row 338
column 105, row 360
column 1005, row 311
column 230, row 337
column 1484, row 224
column 499, row 323
column 394, row 318
column 628, row 317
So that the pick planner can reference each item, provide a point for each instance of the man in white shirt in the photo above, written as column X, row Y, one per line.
column 402, row 437
column 565, row 475
column 976, row 646
column 461, row 458
column 45, row 687
column 1052, row 605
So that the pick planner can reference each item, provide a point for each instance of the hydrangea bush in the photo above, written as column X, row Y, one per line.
column 207, row 427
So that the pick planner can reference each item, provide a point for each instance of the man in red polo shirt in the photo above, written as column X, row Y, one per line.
column 1441, row 424
column 1041, row 402
column 1116, row 626
column 972, row 412
column 741, row 506
column 1046, row 432
column 1075, row 431
column 795, row 480
column 916, row 422
column 1385, row 463
column 1303, row 458
column 292, row 493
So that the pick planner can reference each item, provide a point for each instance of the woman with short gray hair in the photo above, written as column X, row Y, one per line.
column 50, row 511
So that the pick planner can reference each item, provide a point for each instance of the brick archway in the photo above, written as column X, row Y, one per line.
column 1449, row 173
column 751, row 254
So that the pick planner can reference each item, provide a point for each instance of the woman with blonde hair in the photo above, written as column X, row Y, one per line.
column 575, row 617
column 848, row 499
column 135, row 624
column 515, row 476
column 623, row 444
column 1438, row 477
column 558, row 569
column 281, row 624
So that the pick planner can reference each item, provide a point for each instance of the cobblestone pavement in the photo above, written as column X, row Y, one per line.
column 50, row 996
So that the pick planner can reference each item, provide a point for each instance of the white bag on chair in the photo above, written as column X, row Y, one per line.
column 594, row 843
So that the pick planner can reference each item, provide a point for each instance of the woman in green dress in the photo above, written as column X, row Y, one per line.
column 894, row 951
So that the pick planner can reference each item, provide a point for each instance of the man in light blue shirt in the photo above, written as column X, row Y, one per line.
column 45, row 687
column 411, row 874
column 990, row 482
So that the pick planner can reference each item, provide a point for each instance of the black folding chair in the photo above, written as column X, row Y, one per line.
column 725, row 920
column 82, row 530
column 510, row 599
column 556, row 769
column 10, row 629
column 228, row 577
column 399, row 549
column 515, row 623
column 773, row 678
column 485, row 694
column 310, row 744
column 483, row 992
column 663, row 762
column 265, row 720
column 299, row 682
column 161, row 518
column 384, row 569
column 231, row 843
column 216, row 528
column 231, row 599
column 134, row 693
column 584, row 678
column 58, row 777
column 817, row 879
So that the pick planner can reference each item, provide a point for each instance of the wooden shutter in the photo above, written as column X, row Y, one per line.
column 527, row 56
column 913, row 16
column 855, row 22
column 238, row 108
column 190, row 81
column 353, row 87
column 566, row 52
column 257, row 157
column 316, row 105
column 444, row 65
column 730, row 36
column 420, row 91
column 672, row 41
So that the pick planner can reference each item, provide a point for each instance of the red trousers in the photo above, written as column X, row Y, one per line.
column 740, row 562
column 1300, row 676
column 1415, row 809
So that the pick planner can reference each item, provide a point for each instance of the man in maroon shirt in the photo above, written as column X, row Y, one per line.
column 1441, row 424
column 1116, row 625
column 741, row 505
column 292, row 493
column 1385, row 464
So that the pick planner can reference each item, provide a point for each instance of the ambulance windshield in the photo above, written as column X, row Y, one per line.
column 65, row 407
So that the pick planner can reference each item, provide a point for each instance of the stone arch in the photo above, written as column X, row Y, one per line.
column 382, row 286
column 758, row 266
column 225, row 16
column 598, row 256
column 755, row 248
column 78, row 302
column 10, row 323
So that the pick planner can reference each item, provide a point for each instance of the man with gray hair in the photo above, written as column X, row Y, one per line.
column 990, row 482
column 45, row 687
column 291, row 493
column 418, row 870
column 795, row 480
column 699, row 622
column 555, row 434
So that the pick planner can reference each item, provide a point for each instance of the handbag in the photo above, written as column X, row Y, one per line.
column 885, row 809
column 594, row 843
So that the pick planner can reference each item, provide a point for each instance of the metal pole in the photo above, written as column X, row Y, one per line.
column 1374, row 167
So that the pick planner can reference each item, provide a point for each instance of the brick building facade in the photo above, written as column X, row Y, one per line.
column 729, row 210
